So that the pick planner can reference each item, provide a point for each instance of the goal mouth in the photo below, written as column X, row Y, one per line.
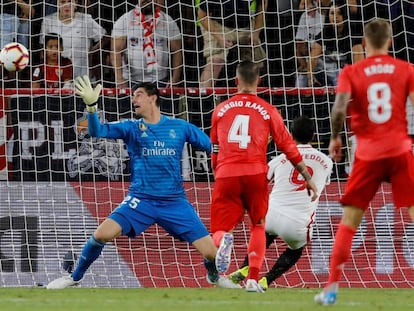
column 65, row 184
column 58, row 183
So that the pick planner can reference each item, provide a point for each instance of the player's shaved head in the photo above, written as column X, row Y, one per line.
column 378, row 33
column 248, row 72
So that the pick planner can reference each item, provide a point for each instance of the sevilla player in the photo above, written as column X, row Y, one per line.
column 291, row 212
column 383, row 152
column 240, row 130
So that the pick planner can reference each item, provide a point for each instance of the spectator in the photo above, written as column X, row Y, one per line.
column 355, row 15
column 10, row 24
column 50, row 6
column 142, row 41
column 56, row 71
column 400, row 14
column 334, row 47
column 397, row 12
column 322, row 4
column 105, row 12
column 310, row 25
column 225, row 24
column 78, row 31
column 25, row 16
column 14, row 26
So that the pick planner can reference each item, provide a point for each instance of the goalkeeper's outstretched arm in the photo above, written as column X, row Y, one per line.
column 89, row 95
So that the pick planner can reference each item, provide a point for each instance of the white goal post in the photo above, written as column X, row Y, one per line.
column 57, row 184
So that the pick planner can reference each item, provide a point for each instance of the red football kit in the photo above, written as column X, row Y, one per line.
column 379, row 87
column 241, row 127
column 53, row 76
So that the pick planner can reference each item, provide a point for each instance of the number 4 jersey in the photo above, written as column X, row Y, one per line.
column 241, row 127
column 379, row 87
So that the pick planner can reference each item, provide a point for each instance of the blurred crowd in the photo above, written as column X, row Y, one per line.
column 195, row 43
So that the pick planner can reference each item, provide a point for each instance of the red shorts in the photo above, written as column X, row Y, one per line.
column 232, row 196
column 367, row 176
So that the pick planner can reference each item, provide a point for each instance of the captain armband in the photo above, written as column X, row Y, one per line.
column 215, row 148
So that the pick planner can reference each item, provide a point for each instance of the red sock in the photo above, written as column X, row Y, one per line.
column 217, row 237
column 256, row 250
column 340, row 252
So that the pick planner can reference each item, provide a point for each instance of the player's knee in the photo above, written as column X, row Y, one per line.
column 94, row 241
column 260, row 223
column 206, row 247
column 258, row 229
column 103, row 236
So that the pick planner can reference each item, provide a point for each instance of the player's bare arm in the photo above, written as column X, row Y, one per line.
column 411, row 96
column 177, row 61
column 337, row 119
column 310, row 185
column 213, row 27
column 339, row 112
column 259, row 20
column 118, row 45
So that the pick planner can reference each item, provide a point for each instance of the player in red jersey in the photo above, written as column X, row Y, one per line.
column 56, row 71
column 241, row 127
column 374, row 92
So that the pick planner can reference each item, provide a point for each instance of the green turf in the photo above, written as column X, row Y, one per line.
column 200, row 299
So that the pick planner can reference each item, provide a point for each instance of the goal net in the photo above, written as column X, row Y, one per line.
column 58, row 184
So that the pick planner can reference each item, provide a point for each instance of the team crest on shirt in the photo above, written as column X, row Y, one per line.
column 143, row 127
column 173, row 134
column 58, row 72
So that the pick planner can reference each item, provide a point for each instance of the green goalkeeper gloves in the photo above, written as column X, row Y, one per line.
column 89, row 95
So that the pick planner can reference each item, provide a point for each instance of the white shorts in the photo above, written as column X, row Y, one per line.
column 295, row 231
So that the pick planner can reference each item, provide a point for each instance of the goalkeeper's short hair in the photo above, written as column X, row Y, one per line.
column 150, row 88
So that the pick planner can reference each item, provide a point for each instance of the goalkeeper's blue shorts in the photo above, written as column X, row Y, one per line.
column 177, row 216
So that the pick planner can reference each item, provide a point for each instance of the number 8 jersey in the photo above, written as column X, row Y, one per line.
column 379, row 87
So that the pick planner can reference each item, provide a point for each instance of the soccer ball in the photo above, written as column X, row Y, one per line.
column 14, row 56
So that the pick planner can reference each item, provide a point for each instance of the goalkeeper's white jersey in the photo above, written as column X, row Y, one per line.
column 289, row 196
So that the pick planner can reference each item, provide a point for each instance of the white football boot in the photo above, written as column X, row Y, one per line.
column 63, row 282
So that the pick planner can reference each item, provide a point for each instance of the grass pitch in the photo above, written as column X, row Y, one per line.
column 198, row 299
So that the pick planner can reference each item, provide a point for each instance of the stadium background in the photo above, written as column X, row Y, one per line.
column 57, row 183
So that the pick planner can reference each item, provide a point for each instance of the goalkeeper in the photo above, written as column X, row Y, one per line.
column 156, row 194
column 291, row 212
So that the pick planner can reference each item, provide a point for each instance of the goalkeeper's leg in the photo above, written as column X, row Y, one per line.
column 105, row 232
column 90, row 252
